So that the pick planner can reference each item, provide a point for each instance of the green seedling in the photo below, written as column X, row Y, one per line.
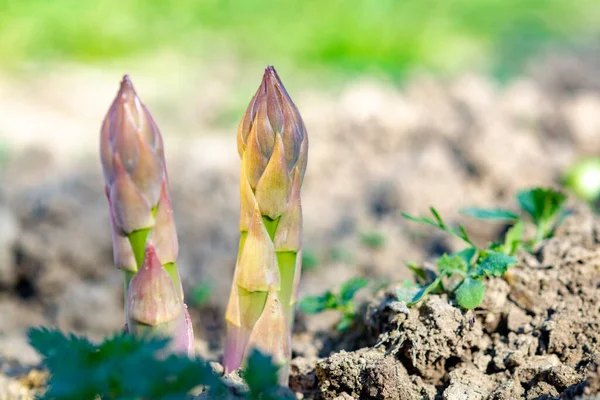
column 261, row 374
column 341, row 301
column 544, row 207
column 460, row 274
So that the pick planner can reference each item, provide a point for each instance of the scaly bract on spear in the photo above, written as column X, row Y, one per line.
column 273, row 148
column 145, row 244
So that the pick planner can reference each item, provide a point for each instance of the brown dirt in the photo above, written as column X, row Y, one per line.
column 536, row 336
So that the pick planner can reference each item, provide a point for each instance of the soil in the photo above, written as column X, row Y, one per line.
column 376, row 150
column 536, row 336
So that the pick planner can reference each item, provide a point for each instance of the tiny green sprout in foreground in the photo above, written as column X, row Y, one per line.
column 460, row 273
column 135, row 367
column 341, row 301
column 122, row 367
column 261, row 375
column 544, row 207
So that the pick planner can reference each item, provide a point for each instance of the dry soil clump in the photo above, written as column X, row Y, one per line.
column 536, row 336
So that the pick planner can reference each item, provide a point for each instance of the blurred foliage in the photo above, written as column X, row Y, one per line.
column 201, row 293
column 128, row 367
column 121, row 367
column 261, row 375
column 310, row 261
column 545, row 207
column 342, row 301
column 583, row 179
column 389, row 36
column 341, row 254
column 373, row 240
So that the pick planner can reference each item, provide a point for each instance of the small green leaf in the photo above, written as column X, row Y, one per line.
column 470, row 293
column 48, row 342
column 421, row 220
column 448, row 265
column 463, row 234
column 317, row 304
column 467, row 254
column 489, row 213
column 460, row 233
column 345, row 323
column 526, row 200
column 260, row 374
column 417, row 269
column 407, row 292
column 541, row 204
column 495, row 246
column 437, row 217
column 493, row 263
column 424, row 291
column 350, row 287
column 513, row 238
column 330, row 301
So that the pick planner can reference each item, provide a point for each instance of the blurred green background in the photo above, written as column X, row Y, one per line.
column 388, row 37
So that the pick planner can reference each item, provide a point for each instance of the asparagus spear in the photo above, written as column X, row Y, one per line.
column 154, row 305
column 143, row 227
column 273, row 148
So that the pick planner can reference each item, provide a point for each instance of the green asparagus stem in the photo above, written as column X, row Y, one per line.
column 273, row 147
column 142, row 223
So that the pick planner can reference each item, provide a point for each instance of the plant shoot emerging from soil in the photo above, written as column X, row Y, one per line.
column 544, row 207
column 341, row 301
column 145, row 244
column 462, row 273
column 273, row 148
